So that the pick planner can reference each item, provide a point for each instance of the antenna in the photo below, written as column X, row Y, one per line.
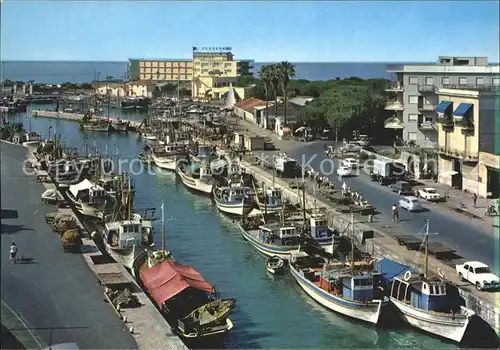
column 425, row 230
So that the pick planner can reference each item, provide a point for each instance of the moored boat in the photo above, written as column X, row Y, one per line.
column 200, row 176
column 234, row 200
column 275, row 265
column 96, row 125
column 424, row 303
column 120, row 126
column 88, row 199
column 169, row 157
column 270, row 201
column 348, row 290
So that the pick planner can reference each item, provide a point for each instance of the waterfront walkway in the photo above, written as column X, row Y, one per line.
column 55, row 297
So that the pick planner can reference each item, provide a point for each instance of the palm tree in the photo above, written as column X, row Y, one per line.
column 265, row 77
column 286, row 70
column 274, row 75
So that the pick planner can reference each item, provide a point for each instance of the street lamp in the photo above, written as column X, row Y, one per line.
column 50, row 128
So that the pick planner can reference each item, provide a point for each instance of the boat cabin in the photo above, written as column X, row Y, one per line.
column 319, row 228
column 175, row 148
column 279, row 235
column 428, row 294
column 32, row 137
column 341, row 281
column 204, row 151
column 88, row 192
column 235, row 194
column 113, row 184
column 273, row 197
column 125, row 234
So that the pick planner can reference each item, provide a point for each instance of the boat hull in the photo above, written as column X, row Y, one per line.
column 368, row 312
column 198, row 185
column 100, row 128
column 448, row 326
column 168, row 163
column 213, row 334
column 268, row 249
column 121, row 127
column 95, row 211
column 237, row 208
column 127, row 256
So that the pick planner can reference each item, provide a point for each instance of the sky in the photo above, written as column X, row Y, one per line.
column 296, row 31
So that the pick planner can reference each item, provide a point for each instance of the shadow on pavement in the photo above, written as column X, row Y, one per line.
column 8, row 340
column 9, row 214
column 12, row 229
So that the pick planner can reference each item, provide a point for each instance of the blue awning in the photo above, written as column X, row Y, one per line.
column 462, row 109
column 390, row 269
column 443, row 106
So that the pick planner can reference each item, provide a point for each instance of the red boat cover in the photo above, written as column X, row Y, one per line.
column 166, row 280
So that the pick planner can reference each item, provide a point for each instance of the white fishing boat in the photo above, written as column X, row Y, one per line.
column 32, row 139
column 199, row 176
column 271, row 200
column 125, row 240
column 337, row 287
column 273, row 239
column 170, row 156
column 425, row 304
column 88, row 198
column 121, row 126
column 234, row 200
column 96, row 126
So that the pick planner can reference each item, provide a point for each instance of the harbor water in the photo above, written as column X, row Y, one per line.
column 271, row 312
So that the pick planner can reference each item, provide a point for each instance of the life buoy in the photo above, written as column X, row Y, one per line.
column 407, row 275
column 440, row 272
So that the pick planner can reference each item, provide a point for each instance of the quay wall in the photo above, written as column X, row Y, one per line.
column 381, row 244
column 77, row 117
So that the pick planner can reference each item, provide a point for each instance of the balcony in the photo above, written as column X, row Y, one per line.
column 394, row 106
column 394, row 123
column 427, row 126
column 425, row 107
column 467, row 127
column 460, row 154
column 427, row 89
column 474, row 87
column 395, row 87
column 446, row 123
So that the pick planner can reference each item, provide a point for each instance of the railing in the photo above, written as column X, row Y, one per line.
column 445, row 120
column 425, row 107
column 427, row 126
column 394, row 67
column 458, row 153
column 473, row 87
column 427, row 88
column 394, row 105
column 393, row 123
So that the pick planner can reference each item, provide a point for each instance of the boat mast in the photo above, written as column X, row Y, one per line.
column 352, row 243
column 162, row 228
column 109, row 104
column 129, row 201
column 304, row 201
column 426, row 242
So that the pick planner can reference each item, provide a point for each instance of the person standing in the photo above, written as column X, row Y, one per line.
column 474, row 199
column 395, row 214
column 344, row 188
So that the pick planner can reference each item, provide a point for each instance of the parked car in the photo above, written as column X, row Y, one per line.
column 350, row 147
column 479, row 274
column 345, row 171
column 430, row 194
column 410, row 203
column 350, row 163
column 401, row 187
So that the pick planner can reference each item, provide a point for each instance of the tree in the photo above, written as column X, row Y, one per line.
column 286, row 71
column 265, row 74
column 274, row 76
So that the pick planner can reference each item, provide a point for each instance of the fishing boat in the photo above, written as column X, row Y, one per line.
column 271, row 200
column 124, row 240
column 348, row 290
column 150, row 136
column 272, row 239
column 146, row 158
column 320, row 232
column 200, row 176
column 88, row 199
column 96, row 126
column 424, row 302
column 234, row 200
column 120, row 126
column 169, row 157
column 275, row 265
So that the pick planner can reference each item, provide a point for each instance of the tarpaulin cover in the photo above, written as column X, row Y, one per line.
column 166, row 280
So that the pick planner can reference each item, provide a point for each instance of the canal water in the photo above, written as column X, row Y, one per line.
column 271, row 312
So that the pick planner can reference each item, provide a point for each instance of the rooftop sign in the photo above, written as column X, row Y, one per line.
column 212, row 49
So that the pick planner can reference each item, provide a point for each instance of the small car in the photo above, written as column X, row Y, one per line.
column 410, row 203
column 345, row 171
column 479, row 274
column 401, row 187
column 350, row 162
column 350, row 147
column 430, row 194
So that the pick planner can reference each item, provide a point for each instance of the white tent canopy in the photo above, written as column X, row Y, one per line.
column 84, row 185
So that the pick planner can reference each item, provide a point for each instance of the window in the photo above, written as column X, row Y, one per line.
column 429, row 81
column 462, row 81
column 428, row 119
column 412, row 99
column 413, row 81
column 412, row 136
column 445, row 81
column 496, row 81
column 480, row 81
column 412, row 117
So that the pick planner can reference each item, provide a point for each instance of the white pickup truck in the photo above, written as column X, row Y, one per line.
column 479, row 274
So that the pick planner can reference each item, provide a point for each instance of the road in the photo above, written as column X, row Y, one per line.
column 461, row 235
column 57, row 296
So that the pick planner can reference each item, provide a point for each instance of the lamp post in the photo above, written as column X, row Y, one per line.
column 50, row 128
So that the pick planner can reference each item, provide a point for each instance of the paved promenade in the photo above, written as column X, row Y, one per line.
column 56, row 296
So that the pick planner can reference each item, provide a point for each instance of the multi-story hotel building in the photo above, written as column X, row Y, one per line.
column 211, row 70
column 415, row 93
column 468, row 125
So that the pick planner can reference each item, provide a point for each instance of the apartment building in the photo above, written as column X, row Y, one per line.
column 136, row 88
column 211, row 70
column 161, row 70
column 414, row 93
column 467, row 131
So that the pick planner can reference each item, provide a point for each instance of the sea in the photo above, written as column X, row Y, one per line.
column 272, row 311
column 56, row 72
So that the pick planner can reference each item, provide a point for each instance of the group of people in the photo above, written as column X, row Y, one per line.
column 356, row 197
column 315, row 176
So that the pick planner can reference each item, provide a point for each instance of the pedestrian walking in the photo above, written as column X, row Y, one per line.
column 474, row 199
column 344, row 188
column 395, row 214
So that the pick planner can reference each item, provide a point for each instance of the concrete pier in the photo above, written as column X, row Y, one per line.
column 77, row 117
